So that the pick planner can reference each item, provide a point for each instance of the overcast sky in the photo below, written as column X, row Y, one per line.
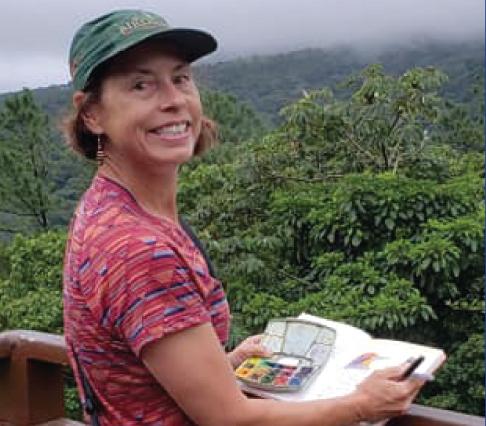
column 35, row 34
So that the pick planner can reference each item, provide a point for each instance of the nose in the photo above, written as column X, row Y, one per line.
column 170, row 96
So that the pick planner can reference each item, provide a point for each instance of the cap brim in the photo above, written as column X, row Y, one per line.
column 192, row 44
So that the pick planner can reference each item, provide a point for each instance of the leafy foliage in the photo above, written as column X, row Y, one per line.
column 464, row 370
column 238, row 122
column 303, row 220
column 30, row 296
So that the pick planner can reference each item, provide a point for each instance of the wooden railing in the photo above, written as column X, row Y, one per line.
column 31, row 386
column 31, row 377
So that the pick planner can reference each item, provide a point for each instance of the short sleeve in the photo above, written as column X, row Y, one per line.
column 146, row 293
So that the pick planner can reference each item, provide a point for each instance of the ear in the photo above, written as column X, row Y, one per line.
column 89, row 114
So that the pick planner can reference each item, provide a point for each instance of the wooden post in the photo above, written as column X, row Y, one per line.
column 31, row 377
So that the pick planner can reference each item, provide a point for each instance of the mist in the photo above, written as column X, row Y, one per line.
column 35, row 36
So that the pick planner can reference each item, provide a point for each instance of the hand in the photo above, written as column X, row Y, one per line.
column 251, row 346
column 384, row 394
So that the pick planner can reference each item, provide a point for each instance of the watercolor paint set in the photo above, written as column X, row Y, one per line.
column 300, row 349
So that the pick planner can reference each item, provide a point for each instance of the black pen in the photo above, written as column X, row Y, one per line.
column 411, row 368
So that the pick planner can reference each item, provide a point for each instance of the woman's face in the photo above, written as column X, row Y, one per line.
column 149, row 110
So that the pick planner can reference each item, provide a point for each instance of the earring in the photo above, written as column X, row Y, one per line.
column 100, row 153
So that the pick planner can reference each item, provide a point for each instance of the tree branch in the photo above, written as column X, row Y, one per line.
column 360, row 148
column 274, row 176
column 395, row 123
column 10, row 231
column 16, row 213
column 300, row 280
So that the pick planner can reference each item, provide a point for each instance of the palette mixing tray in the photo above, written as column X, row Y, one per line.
column 300, row 349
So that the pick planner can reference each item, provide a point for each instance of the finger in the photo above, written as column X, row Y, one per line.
column 400, row 371
column 411, row 394
column 414, row 394
column 261, row 349
column 266, row 351
column 258, row 350
column 416, row 384
column 257, row 338
column 391, row 373
column 412, row 388
column 250, row 340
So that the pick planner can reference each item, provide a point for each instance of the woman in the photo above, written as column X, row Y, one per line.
column 145, row 321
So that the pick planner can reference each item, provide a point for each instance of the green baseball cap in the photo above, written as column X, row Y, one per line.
column 110, row 34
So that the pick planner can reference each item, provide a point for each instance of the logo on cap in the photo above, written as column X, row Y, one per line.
column 141, row 22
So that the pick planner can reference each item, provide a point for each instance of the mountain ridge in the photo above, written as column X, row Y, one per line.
column 268, row 82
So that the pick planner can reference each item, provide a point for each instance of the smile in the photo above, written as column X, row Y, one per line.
column 173, row 129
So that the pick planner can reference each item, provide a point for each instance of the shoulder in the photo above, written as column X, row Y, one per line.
column 109, row 219
column 112, row 231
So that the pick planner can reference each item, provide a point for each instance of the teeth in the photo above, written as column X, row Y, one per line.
column 173, row 129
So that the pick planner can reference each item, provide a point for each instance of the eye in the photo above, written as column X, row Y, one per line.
column 182, row 78
column 142, row 85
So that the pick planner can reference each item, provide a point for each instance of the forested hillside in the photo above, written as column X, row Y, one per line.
column 362, row 201
column 270, row 82
column 267, row 83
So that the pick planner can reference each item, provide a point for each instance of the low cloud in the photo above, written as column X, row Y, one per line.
column 35, row 36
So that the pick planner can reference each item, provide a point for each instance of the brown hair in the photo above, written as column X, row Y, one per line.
column 84, row 142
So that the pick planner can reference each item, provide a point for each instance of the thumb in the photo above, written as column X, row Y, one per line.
column 259, row 350
column 256, row 339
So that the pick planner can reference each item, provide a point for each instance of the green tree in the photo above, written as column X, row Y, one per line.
column 25, row 143
column 237, row 121
column 382, row 127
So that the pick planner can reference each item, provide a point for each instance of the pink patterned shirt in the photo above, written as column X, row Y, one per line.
column 129, row 279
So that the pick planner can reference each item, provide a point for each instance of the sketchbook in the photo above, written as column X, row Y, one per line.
column 354, row 356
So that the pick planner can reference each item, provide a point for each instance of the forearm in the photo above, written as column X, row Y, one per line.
column 212, row 398
column 331, row 412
